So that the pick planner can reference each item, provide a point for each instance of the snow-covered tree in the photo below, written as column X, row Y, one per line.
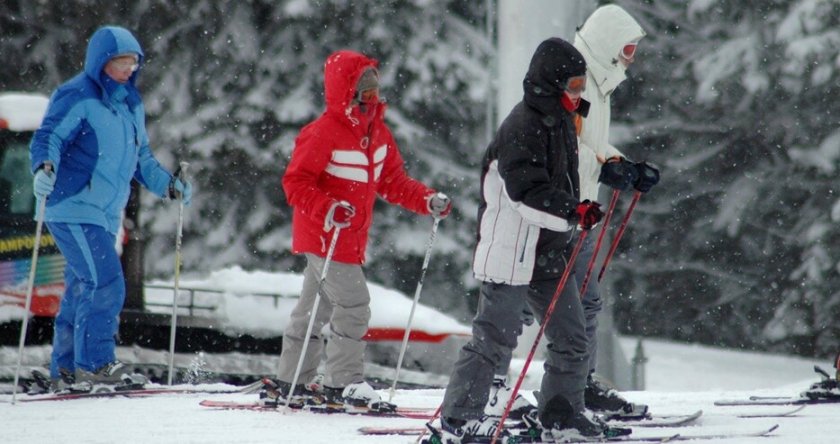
column 735, row 100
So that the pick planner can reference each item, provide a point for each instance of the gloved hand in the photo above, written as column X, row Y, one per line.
column 179, row 188
column 439, row 205
column 619, row 174
column 648, row 177
column 589, row 214
column 44, row 181
column 339, row 215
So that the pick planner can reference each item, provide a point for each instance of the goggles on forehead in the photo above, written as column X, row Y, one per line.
column 629, row 51
column 575, row 85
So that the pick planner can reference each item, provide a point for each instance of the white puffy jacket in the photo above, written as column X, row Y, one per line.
column 600, row 40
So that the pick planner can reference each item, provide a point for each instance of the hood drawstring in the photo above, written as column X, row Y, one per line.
column 347, row 112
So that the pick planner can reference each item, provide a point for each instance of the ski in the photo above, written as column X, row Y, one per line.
column 655, row 421
column 401, row 412
column 101, row 392
column 774, row 400
column 526, row 438
column 786, row 413
column 659, row 420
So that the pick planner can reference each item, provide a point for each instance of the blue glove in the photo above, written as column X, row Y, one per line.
column 43, row 184
column 182, row 189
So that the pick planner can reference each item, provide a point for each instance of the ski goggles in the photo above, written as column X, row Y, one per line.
column 368, row 96
column 125, row 63
column 629, row 51
column 575, row 85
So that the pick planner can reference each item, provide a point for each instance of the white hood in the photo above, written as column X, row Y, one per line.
column 601, row 39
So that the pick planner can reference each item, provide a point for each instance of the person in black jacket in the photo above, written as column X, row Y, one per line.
column 529, row 208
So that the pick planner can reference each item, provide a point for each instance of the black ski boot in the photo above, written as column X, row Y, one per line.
column 828, row 388
column 560, row 423
column 606, row 401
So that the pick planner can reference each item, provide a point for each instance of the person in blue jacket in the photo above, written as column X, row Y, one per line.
column 90, row 145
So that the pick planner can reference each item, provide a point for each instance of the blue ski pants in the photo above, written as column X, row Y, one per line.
column 88, row 318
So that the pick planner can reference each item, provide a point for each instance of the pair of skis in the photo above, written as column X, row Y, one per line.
column 110, row 392
column 663, row 421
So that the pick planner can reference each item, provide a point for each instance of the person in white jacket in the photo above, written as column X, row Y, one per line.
column 608, row 41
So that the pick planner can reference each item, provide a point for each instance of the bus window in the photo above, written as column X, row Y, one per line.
column 16, row 181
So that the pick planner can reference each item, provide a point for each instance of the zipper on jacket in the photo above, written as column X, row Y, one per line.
column 524, row 246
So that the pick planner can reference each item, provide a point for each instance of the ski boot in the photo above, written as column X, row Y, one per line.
column 607, row 402
column 274, row 394
column 359, row 396
column 41, row 382
column 112, row 377
column 828, row 388
column 500, row 396
column 456, row 431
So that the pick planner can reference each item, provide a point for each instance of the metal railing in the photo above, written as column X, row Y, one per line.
column 191, row 306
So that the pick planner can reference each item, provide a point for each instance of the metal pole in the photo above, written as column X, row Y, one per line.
column 413, row 307
column 42, row 207
column 181, row 173
column 306, row 337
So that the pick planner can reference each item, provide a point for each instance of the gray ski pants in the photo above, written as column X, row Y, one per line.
column 591, row 301
column 496, row 327
column 345, row 304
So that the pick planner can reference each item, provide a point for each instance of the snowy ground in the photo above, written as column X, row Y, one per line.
column 680, row 379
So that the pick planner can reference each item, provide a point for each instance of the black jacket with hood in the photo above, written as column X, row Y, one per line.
column 530, row 186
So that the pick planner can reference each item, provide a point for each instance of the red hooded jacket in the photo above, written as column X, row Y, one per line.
column 340, row 157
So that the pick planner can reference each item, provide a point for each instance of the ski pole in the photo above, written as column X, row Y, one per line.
column 327, row 261
column 606, row 222
column 181, row 173
column 636, row 196
column 30, row 287
column 413, row 307
column 545, row 321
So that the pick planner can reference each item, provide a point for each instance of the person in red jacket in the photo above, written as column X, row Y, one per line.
column 341, row 162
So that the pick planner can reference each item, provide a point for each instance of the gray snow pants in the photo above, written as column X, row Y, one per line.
column 591, row 304
column 345, row 304
column 496, row 327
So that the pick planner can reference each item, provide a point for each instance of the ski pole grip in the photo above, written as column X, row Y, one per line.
column 181, row 174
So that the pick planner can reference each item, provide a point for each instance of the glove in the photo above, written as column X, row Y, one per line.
column 178, row 188
column 589, row 214
column 648, row 176
column 339, row 215
column 44, row 182
column 439, row 205
column 619, row 174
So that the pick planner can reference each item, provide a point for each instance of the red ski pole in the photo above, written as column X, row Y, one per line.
column 546, row 318
column 621, row 228
column 606, row 222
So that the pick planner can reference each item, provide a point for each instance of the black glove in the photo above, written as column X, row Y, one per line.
column 648, row 177
column 589, row 214
column 619, row 174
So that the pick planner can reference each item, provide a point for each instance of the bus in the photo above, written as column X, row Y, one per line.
column 20, row 116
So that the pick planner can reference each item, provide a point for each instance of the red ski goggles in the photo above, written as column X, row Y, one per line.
column 575, row 85
column 629, row 51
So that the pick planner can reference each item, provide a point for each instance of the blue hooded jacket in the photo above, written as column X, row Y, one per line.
column 94, row 133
